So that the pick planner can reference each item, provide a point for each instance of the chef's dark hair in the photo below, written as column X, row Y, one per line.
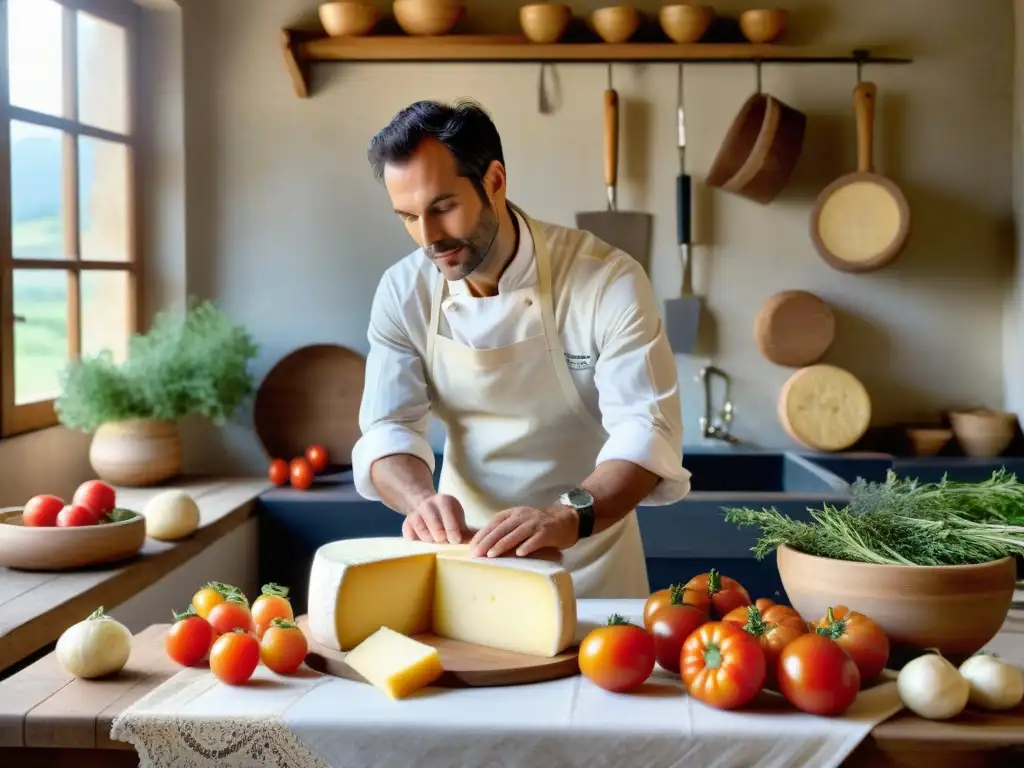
column 464, row 128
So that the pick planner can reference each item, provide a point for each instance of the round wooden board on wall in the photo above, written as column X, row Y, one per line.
column 824, row 407
column 794, row 328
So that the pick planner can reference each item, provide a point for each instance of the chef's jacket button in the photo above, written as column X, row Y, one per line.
column 449, row 304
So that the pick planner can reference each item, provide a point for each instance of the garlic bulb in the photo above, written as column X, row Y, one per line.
column 994, row 684
column 931, row 687
column 95, row 647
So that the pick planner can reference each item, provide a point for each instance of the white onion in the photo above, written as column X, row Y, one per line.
column 994, row 684
column 931, row 687
column 95, row 647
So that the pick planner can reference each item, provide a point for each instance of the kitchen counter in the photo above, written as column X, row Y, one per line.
column 35, row 607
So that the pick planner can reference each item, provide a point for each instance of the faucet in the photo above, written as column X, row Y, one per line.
column 718, row 427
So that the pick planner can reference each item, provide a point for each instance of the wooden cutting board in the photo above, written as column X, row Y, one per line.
column 465, row 664
column 794, row 328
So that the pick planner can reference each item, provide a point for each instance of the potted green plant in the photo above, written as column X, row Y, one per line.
column 191, row 364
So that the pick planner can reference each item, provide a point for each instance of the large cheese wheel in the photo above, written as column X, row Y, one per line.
column 824, row 407
column 357, row 586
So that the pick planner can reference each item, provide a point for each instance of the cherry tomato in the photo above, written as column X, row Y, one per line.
column 189, row 638
column 817, row 676
column 229, row 616
column 96, row 496
column 316, row 455
column 271, row 604
column 42, row 511
column 775, row 626
column 663, row 597
column 234, row 656
column 301, row 473
column 278, row 472
column 861, row 637
column 722, row 665
column 74, row 515
column 214, row 593
column 670, row 626
column 718, row 594
column 618, row 656
column 283, row 647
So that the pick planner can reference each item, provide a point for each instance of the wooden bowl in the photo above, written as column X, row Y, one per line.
column 927, row 441
column 349, row 18
column 957, row 609
column 685, row 23
column 428, row 18
column 982, row 432
column 57, row 549
column 615, row 23
column 544, row 22
column 764, row 25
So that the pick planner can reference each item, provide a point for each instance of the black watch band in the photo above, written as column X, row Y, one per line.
column 583, row 503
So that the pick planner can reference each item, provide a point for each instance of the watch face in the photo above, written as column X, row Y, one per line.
column 579, row 498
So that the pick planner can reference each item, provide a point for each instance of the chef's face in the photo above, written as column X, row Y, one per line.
column 453, row 221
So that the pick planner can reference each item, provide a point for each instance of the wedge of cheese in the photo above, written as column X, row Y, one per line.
column 396, row 664
column 357, row 586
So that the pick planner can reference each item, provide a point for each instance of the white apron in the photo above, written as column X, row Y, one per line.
column 519, row 435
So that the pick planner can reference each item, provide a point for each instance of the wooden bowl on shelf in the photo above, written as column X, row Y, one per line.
column 428, row 18
column 763, row 25
column 685, row 23
column 928, row 441
column 983, row 433
column 615, row 23
column 544, row 22
column 348, row 18
column 30, row 548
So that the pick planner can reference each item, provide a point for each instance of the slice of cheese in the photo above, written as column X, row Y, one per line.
column 357, row 586
column 396, row 664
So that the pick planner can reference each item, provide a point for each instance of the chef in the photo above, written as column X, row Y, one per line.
column 541, row 350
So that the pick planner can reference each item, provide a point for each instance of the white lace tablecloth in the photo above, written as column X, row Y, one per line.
column 313, row 721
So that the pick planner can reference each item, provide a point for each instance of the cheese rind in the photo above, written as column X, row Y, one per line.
column 516, row 604
column 396, row 664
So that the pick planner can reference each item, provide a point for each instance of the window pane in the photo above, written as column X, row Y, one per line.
column 37, row 200
column 40, row 333
column 103, row 200
column 36, row 55
column 105, row 309
column 102, row 74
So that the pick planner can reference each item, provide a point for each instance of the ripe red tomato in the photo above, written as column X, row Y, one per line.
column 670, row 626
column 722, row 665
column 861, row 637
column 283, row 647
column 234, row 657
column 74, row 515
column 675, row 593
column 618, row 656
column 230, row 615
column 278, row 471
column 96, row 496
column 775, row 626
column 718, row 593
column 41, row 511
column 271, row 604
column 301, row 473
column 316, row 455
column 817, row 676
column 189, row 638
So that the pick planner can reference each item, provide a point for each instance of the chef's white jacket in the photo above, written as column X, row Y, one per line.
column 611, row 329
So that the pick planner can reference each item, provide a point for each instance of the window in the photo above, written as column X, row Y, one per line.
column 69, row 268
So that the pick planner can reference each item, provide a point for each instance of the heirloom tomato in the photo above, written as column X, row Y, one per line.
column 670, row 625
column 775, row 626
column 674, row 593
column 717, row 594
column 618, row 656
column 817, row 676
column 722, row 665
column 861, row 637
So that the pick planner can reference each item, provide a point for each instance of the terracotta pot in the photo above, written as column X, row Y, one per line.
column 136, row 452
column 956, row 609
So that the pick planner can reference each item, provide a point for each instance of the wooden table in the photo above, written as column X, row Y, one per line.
column 35, row 607
column 49, row 718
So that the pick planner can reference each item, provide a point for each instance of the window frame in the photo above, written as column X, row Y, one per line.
column 16, row 419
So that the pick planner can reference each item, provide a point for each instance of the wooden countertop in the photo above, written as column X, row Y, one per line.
column 35, row 607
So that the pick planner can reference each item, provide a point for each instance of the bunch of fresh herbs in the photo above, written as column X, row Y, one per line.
column 904, row 522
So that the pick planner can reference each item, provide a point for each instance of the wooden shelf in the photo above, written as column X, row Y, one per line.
column 301, row 51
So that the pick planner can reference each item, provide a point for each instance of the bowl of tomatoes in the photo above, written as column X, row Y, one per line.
column 51, row 534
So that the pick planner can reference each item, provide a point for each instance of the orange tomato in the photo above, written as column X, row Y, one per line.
column 271, row 604
column 189, row 638
column 719, row 593
column 722, row 665
column 618, row 656
column 235, row 656
column 278, row 472
column 861, row 637
column 301, row 473
column 775, row 626
column 229, row 616
column 675, row 594
column 283, row 647
column 817, row 676
column 214, row 593
column 316, row 455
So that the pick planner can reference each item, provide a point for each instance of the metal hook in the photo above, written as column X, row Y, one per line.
column 860, row 56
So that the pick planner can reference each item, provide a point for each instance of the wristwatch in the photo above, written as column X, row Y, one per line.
column 580, row 500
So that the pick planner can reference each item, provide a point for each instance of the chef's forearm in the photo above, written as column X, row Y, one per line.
column 402, row 481
column 617, row 487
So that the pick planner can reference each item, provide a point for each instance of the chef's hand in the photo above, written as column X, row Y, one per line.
column 524, row 530
column 437, row 519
